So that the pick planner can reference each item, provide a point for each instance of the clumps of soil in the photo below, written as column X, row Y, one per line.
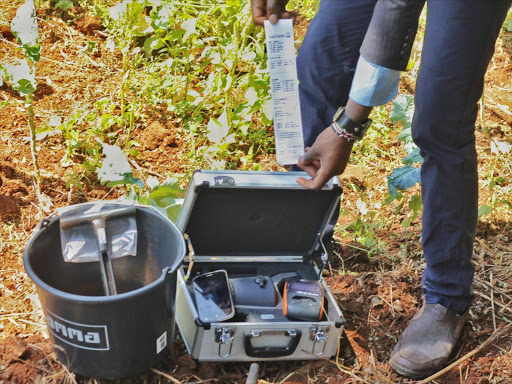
column 158, row 136
column 154, row 136
column 43, row 90
column 8, row 207
column 12, row 191
column 88, row 24
column 24, row 360
column 5, row 32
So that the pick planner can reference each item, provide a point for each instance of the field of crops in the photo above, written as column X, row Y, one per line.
column 101, row 99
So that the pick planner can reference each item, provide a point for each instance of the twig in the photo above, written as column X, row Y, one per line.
column 166, row 375
column 17, row 314
column 142, row 170
column 494, row 288
column 496, row 301
column 391, row 300
column 280, row 371
column 201, row 381
column 495, row 335
column 492, row 304
column 482, row 107
column 287, row 377
column 482, row 243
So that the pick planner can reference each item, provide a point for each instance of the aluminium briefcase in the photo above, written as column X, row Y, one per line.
column 254, row 224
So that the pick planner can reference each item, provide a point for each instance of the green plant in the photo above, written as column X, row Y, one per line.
column 403, row 178
column 115, row 170
column 21, row 77
column 497, row 183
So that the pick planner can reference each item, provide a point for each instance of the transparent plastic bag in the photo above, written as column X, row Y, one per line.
column 79, row 241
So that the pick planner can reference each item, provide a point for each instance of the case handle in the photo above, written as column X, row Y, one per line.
column 270, row 351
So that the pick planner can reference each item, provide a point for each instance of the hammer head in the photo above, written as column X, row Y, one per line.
column 98, row 217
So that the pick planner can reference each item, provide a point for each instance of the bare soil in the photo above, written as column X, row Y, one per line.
column 378, row 295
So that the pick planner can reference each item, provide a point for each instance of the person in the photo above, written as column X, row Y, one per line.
column 351, row 56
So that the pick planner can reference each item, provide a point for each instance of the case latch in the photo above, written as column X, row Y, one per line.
column 224, row 337
column 319, row 336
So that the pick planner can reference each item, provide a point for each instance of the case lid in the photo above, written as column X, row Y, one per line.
column 238, row 213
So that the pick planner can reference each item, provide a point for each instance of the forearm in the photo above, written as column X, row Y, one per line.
column 357, row 112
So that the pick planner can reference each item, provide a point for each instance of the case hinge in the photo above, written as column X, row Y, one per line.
column 319, row 336
column 224, row 337
column 320, row 258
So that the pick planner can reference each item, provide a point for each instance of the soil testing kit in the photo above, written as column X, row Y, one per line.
column 251, row 286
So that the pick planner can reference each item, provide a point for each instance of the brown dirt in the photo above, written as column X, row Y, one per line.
column 88, row 24
column 378, row 295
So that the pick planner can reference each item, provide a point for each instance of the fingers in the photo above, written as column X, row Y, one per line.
column 290, row 15
column 316, row 182
column 274, row 10
column 259, row 12
column 312, row 165
column 311, row 170
column 271, row 10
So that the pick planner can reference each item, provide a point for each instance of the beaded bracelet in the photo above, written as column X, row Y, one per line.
column 343, row 133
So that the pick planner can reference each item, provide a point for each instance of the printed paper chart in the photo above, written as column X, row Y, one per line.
column 284, row 88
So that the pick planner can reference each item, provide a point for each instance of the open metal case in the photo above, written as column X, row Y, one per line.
column 250, row 224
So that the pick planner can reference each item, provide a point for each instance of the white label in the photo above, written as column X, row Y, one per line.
column 161, row 343
column 84, row 336
column 269, row 316
column 284, row 87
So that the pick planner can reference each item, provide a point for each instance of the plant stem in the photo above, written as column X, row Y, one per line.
column 32, row 128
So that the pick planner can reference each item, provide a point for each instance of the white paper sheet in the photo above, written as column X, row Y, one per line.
column 284, row 88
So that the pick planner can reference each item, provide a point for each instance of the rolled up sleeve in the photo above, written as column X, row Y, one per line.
column 372, row 84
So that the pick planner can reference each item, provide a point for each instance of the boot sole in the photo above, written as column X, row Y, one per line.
column 408, row 373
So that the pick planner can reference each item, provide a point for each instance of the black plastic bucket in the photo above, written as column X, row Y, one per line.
column 109, row 336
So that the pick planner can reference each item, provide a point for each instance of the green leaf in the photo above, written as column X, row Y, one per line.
column 415, row 203
column 64, row 5
column 403, row 179
column 413, row 157
column 152, row 43
column 117, row 11
column 25, row 87
column 405, row 135
column 21, row 76
column 508, row 22
column 168, row 198
column 127, row 179
column 189, row 26
column 218, row 129
column 115, row 166
column 251, row 96
column 24, row 27
column 402, row 110
column 484, row 210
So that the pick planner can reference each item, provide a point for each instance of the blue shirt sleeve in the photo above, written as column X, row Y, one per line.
column 372, row 84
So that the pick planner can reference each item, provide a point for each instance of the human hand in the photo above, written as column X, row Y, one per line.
column 327, row 157
column 271, row 10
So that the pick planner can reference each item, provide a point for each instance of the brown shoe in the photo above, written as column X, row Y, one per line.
column 427, row 342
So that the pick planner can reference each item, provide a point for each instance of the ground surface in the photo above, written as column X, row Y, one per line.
column 377, row 294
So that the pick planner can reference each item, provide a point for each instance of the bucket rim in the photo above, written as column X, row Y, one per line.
column 166, row 272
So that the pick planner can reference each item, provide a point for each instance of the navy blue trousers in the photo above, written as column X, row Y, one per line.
column 458, row 45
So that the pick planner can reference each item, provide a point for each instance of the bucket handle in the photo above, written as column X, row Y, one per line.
column 46, row 221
